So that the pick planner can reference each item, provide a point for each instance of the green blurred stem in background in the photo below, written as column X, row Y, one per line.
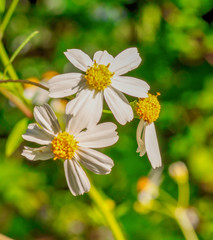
column 106, row 212
column 185, row 224
column 183, row 198
column 18, row 102
column 7, row 17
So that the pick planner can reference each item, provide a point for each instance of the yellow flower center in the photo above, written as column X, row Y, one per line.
column 64, row 146
column 148, row 108
column 98, row 76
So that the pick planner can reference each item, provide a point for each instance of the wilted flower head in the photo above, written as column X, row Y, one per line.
column 148, row 190
column 148, row 110
column 179, row 172
column 73, row 146
column 102, row 80
column 38, row 96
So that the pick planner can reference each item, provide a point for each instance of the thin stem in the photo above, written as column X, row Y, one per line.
column 183, row 196
column 25, row 82
column 18, row 50
column 5, row 60
column 106, row 212
column 166, row 196
column 185, row 224
column 7, row 17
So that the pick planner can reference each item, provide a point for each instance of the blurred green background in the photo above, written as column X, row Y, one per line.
column 175, row 41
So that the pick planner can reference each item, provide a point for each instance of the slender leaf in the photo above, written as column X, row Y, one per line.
column 7, row 17
column 18, row 50
column 2, row 6
column 15, row 138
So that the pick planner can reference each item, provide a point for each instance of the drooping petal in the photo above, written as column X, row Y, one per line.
column 98, row 136
column 131, row 86
column 140, row 137
column 86, row 109
column 45, row 116
column 95, row 161
column 152, row 147
column 77, row 179
column 79, row 59
column 64, row 85
column 38, row 135
column 103, row 57
column 119, row 105
column 41, row 153
column 125, row 61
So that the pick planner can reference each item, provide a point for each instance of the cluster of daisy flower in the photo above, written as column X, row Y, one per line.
column 103, row 79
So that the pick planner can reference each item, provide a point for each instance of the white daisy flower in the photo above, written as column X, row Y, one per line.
column 74, row 146
column 102, row 80
column 148, row 110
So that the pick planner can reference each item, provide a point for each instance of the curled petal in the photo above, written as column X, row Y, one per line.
column 41, row 153
column 77, row 179
column 45, row 116
column 38, row 135
column 152, row 147
column 140, row 137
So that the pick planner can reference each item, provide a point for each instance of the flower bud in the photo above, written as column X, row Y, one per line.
column 179, row 172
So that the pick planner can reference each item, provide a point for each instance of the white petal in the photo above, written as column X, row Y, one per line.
column 86, row 109
column 45, row 116
column 38, row 135
column 152, row 147
column 131, row 86
column 77, row 180
column 95, row 161
column 103, row 57
column 79, row 59
column 140, row 137
column 119, row 105
column 41, row 153
column 98, row 136
column 64, row 85
column 125, row 61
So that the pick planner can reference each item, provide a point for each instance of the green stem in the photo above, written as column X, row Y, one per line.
column 5, row 60
column 25, row 82
column 167, row 197
column 184, row 191
column 185, row 224
column 17, row 101
column 18, row 50
column 7, row 17
column 106, row 212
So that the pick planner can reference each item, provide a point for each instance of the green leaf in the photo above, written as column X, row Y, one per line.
column 2, row 6
column 15, row 138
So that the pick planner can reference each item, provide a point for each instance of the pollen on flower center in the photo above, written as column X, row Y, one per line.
column 148, row 108
column 98, row 76
column 64, row 146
